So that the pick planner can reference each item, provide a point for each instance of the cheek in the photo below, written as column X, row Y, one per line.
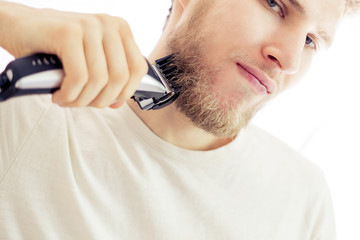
column 228, row 86
column 224, row 81
column 231, row 27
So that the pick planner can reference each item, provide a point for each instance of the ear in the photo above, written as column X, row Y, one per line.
column 183, row 3
column 178, row 7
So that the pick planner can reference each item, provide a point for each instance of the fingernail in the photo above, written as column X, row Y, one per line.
column 118, row 103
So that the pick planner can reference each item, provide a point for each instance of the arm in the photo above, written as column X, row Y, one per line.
column 101, row 60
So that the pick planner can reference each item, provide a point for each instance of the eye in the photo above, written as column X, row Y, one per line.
column 310, row 42
column 276, row 7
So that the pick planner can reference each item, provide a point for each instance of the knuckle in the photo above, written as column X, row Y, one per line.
column 107, row 21
column 76, row 104
column 123, row 23
column 69, row 30
column 98, row 82
column 127, row 93
column 99, row 78
column 67, row 98
column 103, row 17
column 121, row 75
column 142, row 67
column 124, row 27
column 91, row 21
column 80, row 79
column 98, row 104
column 115, row 76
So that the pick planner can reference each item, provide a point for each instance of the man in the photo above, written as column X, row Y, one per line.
column 193, row 170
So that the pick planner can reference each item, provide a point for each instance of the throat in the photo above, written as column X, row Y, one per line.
column 175, row 128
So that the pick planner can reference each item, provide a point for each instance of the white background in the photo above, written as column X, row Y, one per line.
column 320, row 117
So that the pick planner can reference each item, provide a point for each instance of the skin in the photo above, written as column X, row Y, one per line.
column 86, row 43
column 274, row 41
column 268, row 38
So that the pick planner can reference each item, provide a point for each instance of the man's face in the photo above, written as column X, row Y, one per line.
column 235, row 55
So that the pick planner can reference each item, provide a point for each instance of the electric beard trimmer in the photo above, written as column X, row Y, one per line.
column 43, row 73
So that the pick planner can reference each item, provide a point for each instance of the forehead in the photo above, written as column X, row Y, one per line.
column 323, row 15
column 330, row 9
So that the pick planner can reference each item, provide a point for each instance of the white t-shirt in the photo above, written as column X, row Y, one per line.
column 102, row 174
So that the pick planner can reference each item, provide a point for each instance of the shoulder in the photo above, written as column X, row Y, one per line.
column 292, row 182
column 284, row 162
column 272, row 147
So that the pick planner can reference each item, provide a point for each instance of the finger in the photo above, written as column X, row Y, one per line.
column 117, row 69
column 76, row 74
column 97, row 68
column 136, row 64
column 117, row 104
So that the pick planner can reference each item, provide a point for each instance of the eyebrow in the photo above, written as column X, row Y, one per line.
column 325, row 37
column 297, row 6
column 322, row 34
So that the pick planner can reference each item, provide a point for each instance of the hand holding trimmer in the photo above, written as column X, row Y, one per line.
column 43, row 73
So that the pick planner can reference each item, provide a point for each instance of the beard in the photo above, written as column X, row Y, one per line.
column 199, row 100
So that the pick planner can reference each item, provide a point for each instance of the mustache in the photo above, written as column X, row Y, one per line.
column 270, row 71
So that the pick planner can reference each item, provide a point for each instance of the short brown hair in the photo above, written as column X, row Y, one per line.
column 352, row 6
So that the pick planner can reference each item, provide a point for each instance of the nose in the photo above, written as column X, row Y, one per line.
column 284, row 50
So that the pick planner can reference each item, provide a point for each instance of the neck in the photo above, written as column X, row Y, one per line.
column 172, row 126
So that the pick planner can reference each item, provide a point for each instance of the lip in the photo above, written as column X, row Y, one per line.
column 257, row 79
